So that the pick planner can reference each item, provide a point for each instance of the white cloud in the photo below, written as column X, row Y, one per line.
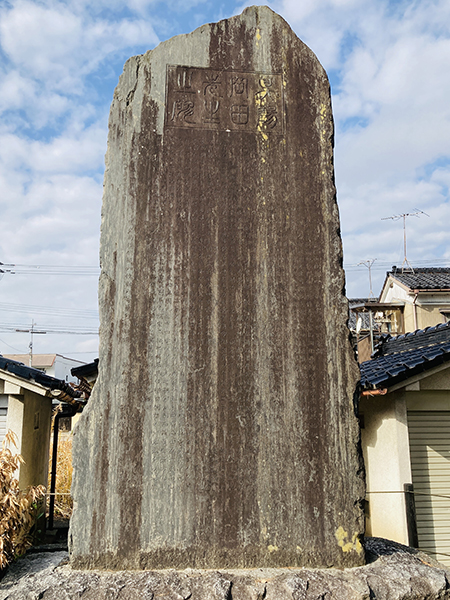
column 71, row 154
column 68, row 153
column 40, row 39
column 53, row 214
column 369, row 233
column 15, row 91
column 392, row 120
column 60, row 45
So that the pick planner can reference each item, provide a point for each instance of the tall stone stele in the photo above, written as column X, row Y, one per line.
column 221, row 432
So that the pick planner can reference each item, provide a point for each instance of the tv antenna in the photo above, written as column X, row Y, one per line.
column 368, row 263
column 403, row 216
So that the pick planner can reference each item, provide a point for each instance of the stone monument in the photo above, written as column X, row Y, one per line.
column 221, row 432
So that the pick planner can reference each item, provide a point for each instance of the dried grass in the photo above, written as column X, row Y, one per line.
column 18, row 508
column 63, row 503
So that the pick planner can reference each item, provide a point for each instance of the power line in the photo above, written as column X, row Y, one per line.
column 13, row 328
column 91, row 270
column 48, row 310
column 74, row 270
column 12, row 347
column 387, row 265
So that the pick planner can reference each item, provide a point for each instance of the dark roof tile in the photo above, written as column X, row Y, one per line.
column 430, row 278
column 86, row 370
column 29, row 373
column 398, row 358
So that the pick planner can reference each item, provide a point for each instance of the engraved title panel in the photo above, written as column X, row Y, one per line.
column 199, row 98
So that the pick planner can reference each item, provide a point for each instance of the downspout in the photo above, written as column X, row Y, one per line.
column 51, row 509
column 371, row 331
column 415, row 311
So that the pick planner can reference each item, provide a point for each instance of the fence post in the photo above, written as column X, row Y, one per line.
column 411, row 521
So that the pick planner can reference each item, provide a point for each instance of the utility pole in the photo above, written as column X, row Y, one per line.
column 368, row 263
column 403, row 216
column 32, row 331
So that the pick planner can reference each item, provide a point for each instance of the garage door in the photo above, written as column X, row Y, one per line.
column 429, row 440
column 3, row 411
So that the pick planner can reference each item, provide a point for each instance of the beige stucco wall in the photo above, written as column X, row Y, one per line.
column 427, row 316
column 427, row 305
column 385, row 444
column 35, row 439
column 437, row 381
column 408, row 316
column 29, row 417
column 14, row 418
column 429, row 400
column 386, row 455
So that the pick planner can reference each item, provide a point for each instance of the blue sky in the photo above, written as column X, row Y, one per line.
column 389, row 67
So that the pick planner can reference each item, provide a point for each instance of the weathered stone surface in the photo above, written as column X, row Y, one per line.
column 396, row 573
column 221, row 432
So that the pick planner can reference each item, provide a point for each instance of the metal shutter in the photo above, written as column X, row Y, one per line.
column 3, row 413
column 429, row 440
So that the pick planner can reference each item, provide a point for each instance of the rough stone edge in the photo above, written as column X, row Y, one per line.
column 130, row 89
column 395, row 573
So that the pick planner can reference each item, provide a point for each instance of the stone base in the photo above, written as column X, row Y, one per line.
column 394, row 573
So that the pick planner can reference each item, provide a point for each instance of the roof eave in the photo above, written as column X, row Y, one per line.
column 429, row 290
column 427, row 370
column 384, row 286
column 25, row 384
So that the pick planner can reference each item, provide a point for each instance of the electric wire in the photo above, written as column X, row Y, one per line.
column 48, row 310
column 89, row 270
column 49, row 330
column 13, row 348
column 22, row 269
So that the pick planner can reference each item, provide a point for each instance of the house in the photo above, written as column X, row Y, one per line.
column 55, row 365
column 405, row 419
column 424, row 294
column 410, row 299
column 26, row 397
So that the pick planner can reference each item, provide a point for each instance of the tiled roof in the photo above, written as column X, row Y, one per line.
column 399, row 358
column 29, row 373
column 422, row 338
column 433, row 278
column 353, row 315
column 357, row 301
column 365, row 320
column 86, row 370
